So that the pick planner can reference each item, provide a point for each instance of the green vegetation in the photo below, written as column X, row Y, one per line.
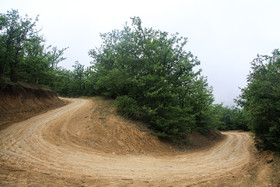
column 25, row 57
column 23, row 54
column 261, row 100
column 154, row 80
column 151, row 76
column 230, row 118
column 74, row 83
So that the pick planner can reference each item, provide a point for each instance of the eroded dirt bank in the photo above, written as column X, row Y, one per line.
column 21, row 101
column 79, row 145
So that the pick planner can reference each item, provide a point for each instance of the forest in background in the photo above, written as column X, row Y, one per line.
column 151, row 77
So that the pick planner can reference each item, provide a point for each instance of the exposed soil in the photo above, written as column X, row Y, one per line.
column 22, row 101
column 85, row 144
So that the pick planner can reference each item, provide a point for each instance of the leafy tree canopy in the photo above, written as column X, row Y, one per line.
column 261, row 100
column 153, row 79
column 230, row 118
column 23, row 53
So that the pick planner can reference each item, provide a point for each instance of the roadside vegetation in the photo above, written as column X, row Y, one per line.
column 153, row 80
column 24, row 55
column 261, row 100
column 151, row 76
column 231, row 118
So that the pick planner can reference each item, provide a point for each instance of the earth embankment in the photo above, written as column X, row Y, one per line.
column 21, row 101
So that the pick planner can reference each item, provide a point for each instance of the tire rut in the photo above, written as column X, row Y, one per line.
column 30, row 146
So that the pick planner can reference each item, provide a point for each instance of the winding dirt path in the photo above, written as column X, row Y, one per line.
column 31, row 153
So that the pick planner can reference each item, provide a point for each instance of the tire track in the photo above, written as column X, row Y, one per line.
column 34, row 147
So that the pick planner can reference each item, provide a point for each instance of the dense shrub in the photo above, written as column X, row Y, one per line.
column 231, row 118
column 153, row 79
column 261, row 100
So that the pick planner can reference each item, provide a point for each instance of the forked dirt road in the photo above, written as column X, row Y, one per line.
column 42, row 151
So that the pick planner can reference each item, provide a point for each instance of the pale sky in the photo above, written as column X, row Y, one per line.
column 225, row 35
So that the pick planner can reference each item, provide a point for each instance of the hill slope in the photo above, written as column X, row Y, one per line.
column 21, row 101
column 100, row 128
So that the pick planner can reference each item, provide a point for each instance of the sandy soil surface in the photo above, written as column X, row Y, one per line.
column 79, row 145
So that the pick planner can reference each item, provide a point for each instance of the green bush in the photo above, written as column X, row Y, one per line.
column 129, row 108
column 153, row 79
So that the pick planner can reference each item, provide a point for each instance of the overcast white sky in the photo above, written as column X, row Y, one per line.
column 225, row 35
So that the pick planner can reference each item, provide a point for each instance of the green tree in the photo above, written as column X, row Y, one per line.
column 64, row 79
column 231, row 118
column 75, row 83
column 15, row 32
column 23, row 54
column 34, row 66
column 261, row 100
column 153, row 79
column 54, row 56
column 89, row 81
column 78, row 75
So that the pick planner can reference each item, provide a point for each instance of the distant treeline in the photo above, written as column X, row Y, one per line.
column 151, row 76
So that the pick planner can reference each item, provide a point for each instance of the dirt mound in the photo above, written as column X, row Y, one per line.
column 98, row 127
column 21, row 101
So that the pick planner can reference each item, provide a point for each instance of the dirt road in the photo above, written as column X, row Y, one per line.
column 51, row 149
